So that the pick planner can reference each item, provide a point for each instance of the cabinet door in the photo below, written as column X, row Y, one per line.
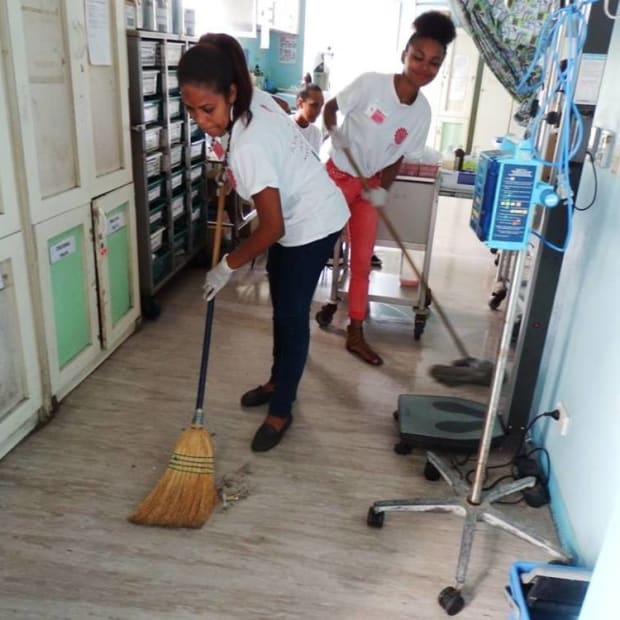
column 20, row 384
column 114, row 222
column 108, row 98
column 9, row 214
column 69, row 296
column 45, row 42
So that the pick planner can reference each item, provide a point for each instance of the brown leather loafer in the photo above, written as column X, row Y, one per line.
column 257, row 397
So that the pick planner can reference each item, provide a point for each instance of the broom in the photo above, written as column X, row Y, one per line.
column 186, row 494
column 468, row 369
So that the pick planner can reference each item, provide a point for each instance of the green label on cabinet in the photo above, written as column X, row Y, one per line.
column 68, row 275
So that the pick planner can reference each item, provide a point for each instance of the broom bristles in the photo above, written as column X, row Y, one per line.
column 185, row 495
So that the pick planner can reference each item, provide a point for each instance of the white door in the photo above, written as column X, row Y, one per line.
column 69, row 297
column 494, row 114
column 114, row 224
column 451, row 94
column 108, row 102
column 20, row 383
column 9, row 207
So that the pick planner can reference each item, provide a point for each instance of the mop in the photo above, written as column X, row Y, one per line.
column 186, row 493
column 466, row 369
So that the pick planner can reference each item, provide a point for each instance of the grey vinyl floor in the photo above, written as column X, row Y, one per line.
column 292, row 540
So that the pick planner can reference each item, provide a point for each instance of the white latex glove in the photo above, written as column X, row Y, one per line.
column 216, row 279
column 377, row 196
column 339, row 140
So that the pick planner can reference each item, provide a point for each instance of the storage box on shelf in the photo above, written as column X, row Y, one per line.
column 169, row 170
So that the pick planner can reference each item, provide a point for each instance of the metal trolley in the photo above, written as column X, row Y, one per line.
column 412, row 209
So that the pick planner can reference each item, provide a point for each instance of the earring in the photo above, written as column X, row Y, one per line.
column 231, row 113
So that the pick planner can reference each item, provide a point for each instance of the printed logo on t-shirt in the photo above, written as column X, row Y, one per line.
column 375, row 114
column 231, row 178
column 400, row 135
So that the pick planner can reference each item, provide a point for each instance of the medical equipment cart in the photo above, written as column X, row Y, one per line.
column 412, row 209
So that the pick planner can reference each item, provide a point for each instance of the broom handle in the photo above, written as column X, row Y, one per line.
column 388, row 224
column 206, row 342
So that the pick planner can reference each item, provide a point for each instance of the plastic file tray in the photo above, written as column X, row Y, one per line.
column 154, row 190
column 174, row 51
column 180, row 243
column 176, row 131
column 176, row 179
column 162, row 266
column 148, row 53
column 152, row 136
column 157, row 239
column 196, row 150
column 196, row 173
column 156, row 218
column 178, row 206
column 176, row 154
column 174, row 107
column 195, row 195
column 149, row 82
column 173, row 81
column 195, row 213
column 194, row 131
column 540, row 591
column 151, row 111
column 153, row 165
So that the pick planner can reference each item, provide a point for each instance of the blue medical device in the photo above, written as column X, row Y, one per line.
column 506, row 190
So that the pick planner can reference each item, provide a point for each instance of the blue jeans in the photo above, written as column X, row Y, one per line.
column 293, row 275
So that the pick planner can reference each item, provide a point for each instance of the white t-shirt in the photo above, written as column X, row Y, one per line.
column 270, row 152
column 379, row 128
column 311, row 133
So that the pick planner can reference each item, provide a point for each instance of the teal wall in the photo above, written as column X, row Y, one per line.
column 581, row 361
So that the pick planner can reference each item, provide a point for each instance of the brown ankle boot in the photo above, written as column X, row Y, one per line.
column 357, row 345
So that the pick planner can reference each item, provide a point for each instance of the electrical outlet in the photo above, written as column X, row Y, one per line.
column 602, row 155
column 563, row 420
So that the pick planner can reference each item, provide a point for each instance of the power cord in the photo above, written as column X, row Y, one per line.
column 522, row 464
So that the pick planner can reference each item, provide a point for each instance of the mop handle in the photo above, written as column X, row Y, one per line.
column 388, row 224
column 206, row 341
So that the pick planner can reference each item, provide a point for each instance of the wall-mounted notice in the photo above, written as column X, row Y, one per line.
column 288, row 48
column 62, row 249
column 98, row 29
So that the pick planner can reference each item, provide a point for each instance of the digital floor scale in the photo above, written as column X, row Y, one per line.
column 434, row 421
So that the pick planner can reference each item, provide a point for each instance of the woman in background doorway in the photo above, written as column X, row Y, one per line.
column 309, row 105
column 385, row 117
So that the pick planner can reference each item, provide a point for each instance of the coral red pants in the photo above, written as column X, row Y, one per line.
column 362, row 235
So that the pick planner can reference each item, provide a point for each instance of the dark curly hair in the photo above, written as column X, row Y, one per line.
column 433, row 25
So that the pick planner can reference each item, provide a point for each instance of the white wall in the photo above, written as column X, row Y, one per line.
column 581, row 362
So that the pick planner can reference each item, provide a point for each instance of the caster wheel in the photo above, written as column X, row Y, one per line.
column 325, row 315
column 496, row 299
column 451, row 601
column 374, row 519
column 402, row 448
column 150, row 309
column 395, row 415
column 431, row 472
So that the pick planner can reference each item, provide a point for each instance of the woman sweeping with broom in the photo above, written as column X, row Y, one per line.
column 300, row 215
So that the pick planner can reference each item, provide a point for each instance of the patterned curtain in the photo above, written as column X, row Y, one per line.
column 505, row 33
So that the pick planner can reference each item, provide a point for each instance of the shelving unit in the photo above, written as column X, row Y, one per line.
column 168, row 161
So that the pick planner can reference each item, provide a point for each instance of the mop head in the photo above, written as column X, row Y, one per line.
column 186, row 494
column 466, row 370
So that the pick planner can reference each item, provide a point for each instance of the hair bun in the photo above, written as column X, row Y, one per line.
column 435, row 25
